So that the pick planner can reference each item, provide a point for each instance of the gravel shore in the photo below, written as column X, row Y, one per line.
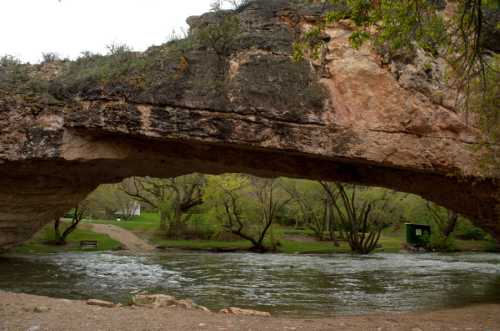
column 36, row 313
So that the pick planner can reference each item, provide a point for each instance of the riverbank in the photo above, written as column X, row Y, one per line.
column 142, row 234
column 292, row 241
column 29, row 312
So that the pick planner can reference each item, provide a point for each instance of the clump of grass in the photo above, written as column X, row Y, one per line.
column 19, row 77
column 90, row 70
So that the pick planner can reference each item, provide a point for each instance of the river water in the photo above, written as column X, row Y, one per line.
column 309, row 285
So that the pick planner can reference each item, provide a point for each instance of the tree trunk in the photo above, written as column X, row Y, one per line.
column 451, row 224
column 258, row 248
column 331, row 225
column 59, row 240
column 177, row 226
column 163, row 221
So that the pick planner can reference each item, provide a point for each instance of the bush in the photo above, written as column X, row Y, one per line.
column 50, row 57
column 9, row 61
column 20, row 78
column 492, row 246
column 472, row 233
column 90, row 70
column 437, row 242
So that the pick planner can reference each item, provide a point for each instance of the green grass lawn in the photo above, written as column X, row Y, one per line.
column 147, row 227
column 287, row 246
column 147, row 222
column 40, row 244
column 473, row 245
column 203, row 245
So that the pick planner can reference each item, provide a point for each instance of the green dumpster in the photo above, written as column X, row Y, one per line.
column 416, row 234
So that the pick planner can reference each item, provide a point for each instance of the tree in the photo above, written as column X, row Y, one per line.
column 108, row 201
column 445, row 224
column 314, row 207
column 247, row 207
column 362, row 219
column 174, row 198
column 217, row 5
column 467, row 39
column 400, row 26
column 78, row 214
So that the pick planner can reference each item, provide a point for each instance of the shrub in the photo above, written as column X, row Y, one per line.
column 439, row 243
column 492, row 246
column 9, row 61
column 20, row 78
column 90, row 70
column 50, row 57
column 220, row 36
column 472, row 233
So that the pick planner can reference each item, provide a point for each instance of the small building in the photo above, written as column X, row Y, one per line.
column 416, row 234
column 132, row 209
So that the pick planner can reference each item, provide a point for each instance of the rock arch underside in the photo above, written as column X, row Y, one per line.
column 245, row 106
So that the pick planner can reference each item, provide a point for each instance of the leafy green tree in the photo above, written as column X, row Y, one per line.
column 174, row 198
column 445, row 220
column 107, row 201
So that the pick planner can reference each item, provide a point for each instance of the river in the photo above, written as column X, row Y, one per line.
column 291, row 285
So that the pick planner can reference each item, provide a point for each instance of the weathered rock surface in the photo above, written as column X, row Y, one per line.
column 244, row 312
column 41, row 309
column 240, row 106
column 154, row 300
column 100, row 303
column 165, row 301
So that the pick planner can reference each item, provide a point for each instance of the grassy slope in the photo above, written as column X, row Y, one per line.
column 40, row 243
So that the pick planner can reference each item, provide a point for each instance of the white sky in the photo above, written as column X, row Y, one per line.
column 29, row 28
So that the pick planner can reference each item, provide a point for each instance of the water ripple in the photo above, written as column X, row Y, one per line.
column 286, row 284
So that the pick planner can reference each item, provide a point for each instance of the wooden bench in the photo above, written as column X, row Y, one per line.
column 88, row 244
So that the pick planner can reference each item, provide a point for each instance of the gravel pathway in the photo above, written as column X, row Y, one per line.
column 129, row 240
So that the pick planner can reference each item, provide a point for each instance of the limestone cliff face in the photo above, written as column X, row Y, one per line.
column 231, row 99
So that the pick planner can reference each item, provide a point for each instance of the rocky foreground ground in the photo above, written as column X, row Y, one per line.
column 35, row 313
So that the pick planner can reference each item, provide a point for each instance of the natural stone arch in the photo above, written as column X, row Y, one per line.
column 252, row 110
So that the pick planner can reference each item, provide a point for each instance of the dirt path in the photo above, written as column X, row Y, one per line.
column 35, row 313
column 129, row 240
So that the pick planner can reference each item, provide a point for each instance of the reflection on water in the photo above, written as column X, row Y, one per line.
column 284, row 284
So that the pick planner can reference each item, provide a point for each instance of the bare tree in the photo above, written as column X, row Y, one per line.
column 331, row 197
column 217, row 5
column 252, row 224
column 265, row 190
column 315, row 209
column 235, row 221
column 174, row 198
column 362, row 219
